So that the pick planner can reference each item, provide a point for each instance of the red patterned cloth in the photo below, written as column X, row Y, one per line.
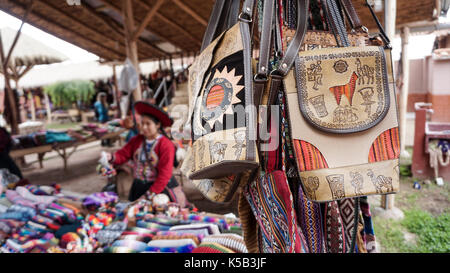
column 164, row 150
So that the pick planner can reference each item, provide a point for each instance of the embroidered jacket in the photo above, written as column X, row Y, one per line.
column 161, row 158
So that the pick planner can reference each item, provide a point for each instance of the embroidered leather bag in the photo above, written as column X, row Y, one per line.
column 343, row 116
column 221, row 79
column 221, row 87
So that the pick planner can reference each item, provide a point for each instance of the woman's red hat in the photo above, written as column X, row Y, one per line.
column 143, row 107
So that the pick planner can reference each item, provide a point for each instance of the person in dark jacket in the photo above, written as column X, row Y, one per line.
column 6, row 161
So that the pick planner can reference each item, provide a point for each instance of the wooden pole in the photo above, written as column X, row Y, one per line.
column 390, row 15
column 9, row 92
column 132, row 52
column 117, row 92
column 404, row 92
column 47, row 106
column 33, row 106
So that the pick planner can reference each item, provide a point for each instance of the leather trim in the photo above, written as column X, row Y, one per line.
column 294, row 46
column 329, row 184
column 224, row 168
column 266, row 36
column 250, row 116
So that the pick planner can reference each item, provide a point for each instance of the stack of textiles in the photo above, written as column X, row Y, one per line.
column 29, row 140
column 184, row 232
column 42, row 219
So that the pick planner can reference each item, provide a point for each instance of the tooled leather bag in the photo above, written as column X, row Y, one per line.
column 220, row 82
column 343, row 115
column 223, row 157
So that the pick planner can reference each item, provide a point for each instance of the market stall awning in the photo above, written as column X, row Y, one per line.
column 163, row 27
column 28, row 51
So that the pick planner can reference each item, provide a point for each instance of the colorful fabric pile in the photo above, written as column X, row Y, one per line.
column 41, row 219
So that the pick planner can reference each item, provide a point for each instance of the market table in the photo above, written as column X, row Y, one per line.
column 62, row 147
column 40, row 150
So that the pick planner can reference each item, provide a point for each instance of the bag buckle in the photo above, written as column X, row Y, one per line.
column 245, row 20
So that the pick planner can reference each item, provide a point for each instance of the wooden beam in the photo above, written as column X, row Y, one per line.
column 149, row 16
column 158, row 34
column 27, row 11
column 189, row 11
column 118, row 29
column 77, row 21
column 173, row 24
column 131, row 45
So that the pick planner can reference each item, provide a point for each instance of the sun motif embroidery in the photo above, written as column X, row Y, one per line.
column 219, row 95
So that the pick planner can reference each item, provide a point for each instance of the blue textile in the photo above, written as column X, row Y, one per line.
column 102, row 112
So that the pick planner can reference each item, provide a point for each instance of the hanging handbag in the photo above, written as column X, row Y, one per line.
column 222, row 90
column 272, row 204
column 221, row 80
column 342, row 100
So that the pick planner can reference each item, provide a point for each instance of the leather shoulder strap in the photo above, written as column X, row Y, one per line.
column 213, row 23
column 294, row 46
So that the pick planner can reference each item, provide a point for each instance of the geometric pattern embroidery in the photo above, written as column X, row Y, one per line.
column 310, row 221
column 271, row 202
column 336, row 239
column 347, row 212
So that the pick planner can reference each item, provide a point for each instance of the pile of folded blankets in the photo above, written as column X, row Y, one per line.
column 41, row 219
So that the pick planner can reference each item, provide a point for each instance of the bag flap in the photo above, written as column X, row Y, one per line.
column 343, row 90
column 212, row 54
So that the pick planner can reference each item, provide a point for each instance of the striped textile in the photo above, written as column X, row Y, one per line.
column 231, row 241
column 386, row 146
column 308, row 157
column 248, row 223
column 272, row 204
column 310, row 221
column 177, row 236
column 215, row 96
column 211, row 248
column 348, row 89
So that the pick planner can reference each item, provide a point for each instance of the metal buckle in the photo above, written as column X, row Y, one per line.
column 260, row 78
column 241, row 17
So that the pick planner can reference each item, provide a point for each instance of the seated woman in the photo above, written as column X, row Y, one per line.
column 151, row 152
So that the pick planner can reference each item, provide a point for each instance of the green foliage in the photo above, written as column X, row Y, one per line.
column 405, row 170
column 433, row 232
column 63, row 94
column 389, row 234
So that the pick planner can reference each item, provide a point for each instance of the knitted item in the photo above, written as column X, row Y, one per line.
column 25, row 193
column 209, row 228
column 170, row 236
column 211, row 248
column 100, row 199
column 172, row 243
column 16, row 198
column 34, row 189
column 222, row 223
column 134, row 245
column 231, row 241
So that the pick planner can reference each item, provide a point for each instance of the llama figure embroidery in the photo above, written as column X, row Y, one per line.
column 381, row 182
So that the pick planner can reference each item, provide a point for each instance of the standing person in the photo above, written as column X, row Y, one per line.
column 101, row 108
column 151, row 152
column 101, row 112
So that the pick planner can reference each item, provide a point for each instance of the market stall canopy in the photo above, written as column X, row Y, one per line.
column 28, row 51
column 163, row 27
column 92, row 70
